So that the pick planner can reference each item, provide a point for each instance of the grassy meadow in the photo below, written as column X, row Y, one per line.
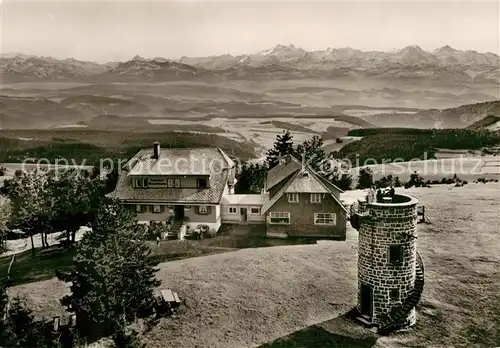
column 299, row 295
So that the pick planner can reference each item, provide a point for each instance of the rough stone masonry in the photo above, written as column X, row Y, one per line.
column 387, row 258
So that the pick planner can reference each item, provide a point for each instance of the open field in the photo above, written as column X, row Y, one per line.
column 466, row 168
column 251, row 297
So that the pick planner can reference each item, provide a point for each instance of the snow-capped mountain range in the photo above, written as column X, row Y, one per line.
column 300, row 58
column 445, row 64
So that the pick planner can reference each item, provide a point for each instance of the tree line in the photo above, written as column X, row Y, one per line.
column 44, row 202
column 409, row 143
column 113, row 275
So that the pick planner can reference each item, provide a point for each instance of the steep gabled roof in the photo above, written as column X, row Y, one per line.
column 277, row 196
column 298, row 183
column 282, row 171
column 212, row 162
column 306, row 183
column 184, row 161
column 328, row 183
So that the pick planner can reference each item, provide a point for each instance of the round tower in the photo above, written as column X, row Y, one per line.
column 390, row 272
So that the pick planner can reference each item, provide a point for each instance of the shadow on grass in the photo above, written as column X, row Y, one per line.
column 43, row 265
column 253, row 236
column 341, row 332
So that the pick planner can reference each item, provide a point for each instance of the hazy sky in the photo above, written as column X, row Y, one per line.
column 107, row 31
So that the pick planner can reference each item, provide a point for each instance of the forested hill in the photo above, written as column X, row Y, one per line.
column 486, row 123
column 92, row 146
column 457, row 117
column 409, row 143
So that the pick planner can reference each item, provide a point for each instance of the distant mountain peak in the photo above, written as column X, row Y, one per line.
column 159, row 60
column 290, row 46
column 138, row 58
column 446, row 49
column 412, row 48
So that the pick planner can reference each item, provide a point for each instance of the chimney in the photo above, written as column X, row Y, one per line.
column 304, row 171
column 156, row 150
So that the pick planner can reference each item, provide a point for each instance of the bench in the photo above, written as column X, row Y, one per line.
column 170, row 297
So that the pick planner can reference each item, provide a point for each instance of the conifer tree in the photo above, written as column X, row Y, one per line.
column 283, row 146
column 113, row 279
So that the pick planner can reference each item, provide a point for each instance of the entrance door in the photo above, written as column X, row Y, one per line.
column 179, row 212
column 366, row 299
column 244, row 213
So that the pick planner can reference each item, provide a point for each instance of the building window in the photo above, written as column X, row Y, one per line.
column 315, row 197
column 325, row 219
column 202, row 183
column 395, row 254
column 203, row 209
column 233, row 210
column 138, row 182
column 138, row 208
column 394, row 294
column 279, row 218
column 293, row 198
column 156, row 208
column 170, row 183
column 145, row 182
column 177, row 183
column 255, row 211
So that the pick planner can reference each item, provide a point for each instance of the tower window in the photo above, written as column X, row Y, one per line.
column 395, row 254
column 394, row 294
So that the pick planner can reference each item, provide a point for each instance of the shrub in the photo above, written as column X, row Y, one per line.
column 384, row 182
column 397, row 182
column 3, row 171
column 415, row 180
column 211, row 233
column 365, row 179
column 447, row 181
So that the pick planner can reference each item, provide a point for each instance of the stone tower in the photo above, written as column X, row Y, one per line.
column 390, row 272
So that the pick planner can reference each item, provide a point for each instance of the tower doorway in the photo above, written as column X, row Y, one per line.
column 366, row 300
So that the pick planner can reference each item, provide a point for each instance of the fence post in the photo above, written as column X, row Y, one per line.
column 10, row 267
